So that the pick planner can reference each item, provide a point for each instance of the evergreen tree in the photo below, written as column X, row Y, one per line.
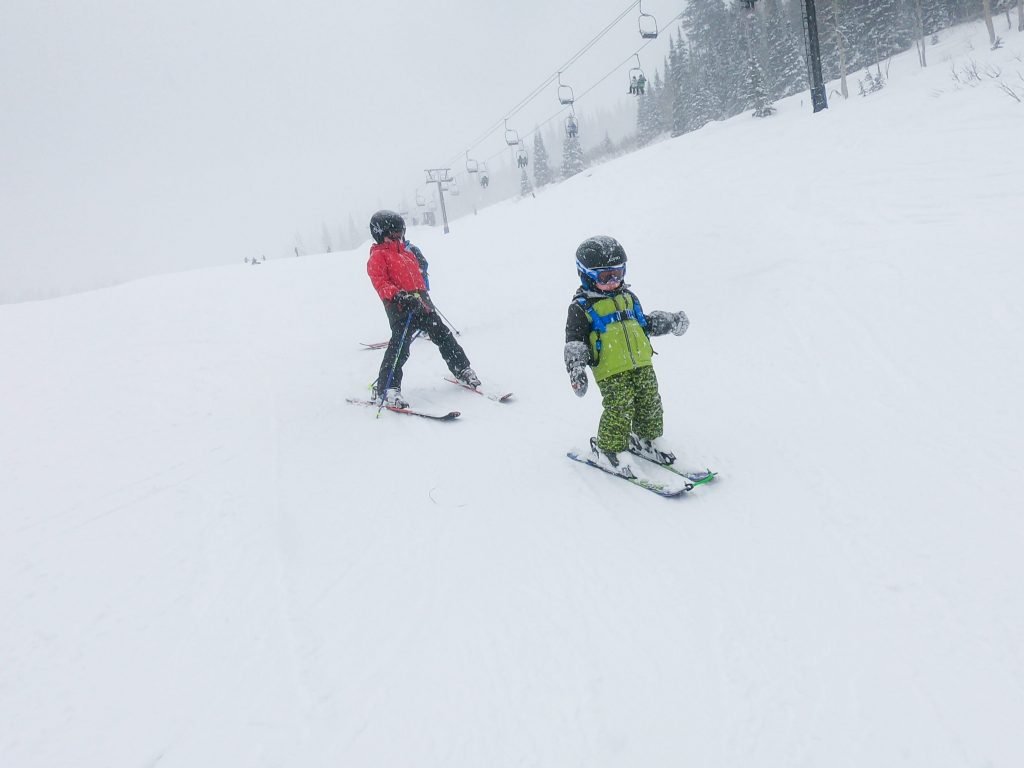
column 572, row 157
column 325, row 237
column 786, row 69
column 355, row 235
column 647, row 123
column 542, row 173
column 718, row 56
column 525, row 187
column 699, row 101
column 680, row 87
column 759, row 92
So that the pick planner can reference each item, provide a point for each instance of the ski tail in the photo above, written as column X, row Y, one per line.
column 496, row 396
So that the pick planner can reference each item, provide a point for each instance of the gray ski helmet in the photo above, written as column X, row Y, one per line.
column 600, row 252
column 384, row 223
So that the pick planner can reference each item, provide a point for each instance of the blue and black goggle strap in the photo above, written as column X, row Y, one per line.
column 593, row 273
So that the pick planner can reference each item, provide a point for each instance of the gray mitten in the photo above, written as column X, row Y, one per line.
column 578, row 379
column 680, row 322
column 577, row 358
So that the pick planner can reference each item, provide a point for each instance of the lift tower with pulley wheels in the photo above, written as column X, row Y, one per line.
column 441, row 177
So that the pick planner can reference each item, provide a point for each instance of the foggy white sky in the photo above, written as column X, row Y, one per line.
column 140, row 136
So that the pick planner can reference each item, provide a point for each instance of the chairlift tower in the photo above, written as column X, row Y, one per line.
column 814, row 76
column 440, row 176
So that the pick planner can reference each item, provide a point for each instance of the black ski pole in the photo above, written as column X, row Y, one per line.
column 394, row 364
column 441, row 315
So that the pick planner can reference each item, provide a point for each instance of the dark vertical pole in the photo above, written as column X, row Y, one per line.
column 818, row 98
column 444, row 213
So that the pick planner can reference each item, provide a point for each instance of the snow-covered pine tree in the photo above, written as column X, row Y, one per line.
column 786, row 69
column 355, row 235
column 658, row 89
column 719, row 57
column 759, row 92
column 698, row 99
column 680, row 87
column 525, row 187
column 542, row 173
column 572, row 157
column 325, row 237
column 647, row 122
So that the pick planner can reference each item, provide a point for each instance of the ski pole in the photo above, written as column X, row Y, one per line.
column 441, row 314
column 394, row 364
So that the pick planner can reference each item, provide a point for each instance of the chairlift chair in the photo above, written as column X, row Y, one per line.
column 522, row 159
column 511, row 135
column 647, row 24
column 572, row 126
column 636, row 77
column 471, row 165
column 420, row 199
column 565, row 94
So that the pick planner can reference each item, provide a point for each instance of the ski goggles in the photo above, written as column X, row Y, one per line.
column 607, row 277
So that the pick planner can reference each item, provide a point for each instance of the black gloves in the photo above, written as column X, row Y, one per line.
column 409, row 302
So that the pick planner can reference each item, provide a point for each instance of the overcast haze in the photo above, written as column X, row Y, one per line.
column 143, row 137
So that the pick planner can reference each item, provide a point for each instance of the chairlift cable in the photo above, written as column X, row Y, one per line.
column 547, row 81
column 615, row 69
column 519, row 107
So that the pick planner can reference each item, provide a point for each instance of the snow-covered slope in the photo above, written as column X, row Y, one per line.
column 207, row 558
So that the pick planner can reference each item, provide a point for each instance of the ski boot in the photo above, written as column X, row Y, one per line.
column 469, row 378
column 392, row 397
column 616, row 463
column 650, row 449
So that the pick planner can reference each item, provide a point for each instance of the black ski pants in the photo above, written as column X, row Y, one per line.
column 427, row 321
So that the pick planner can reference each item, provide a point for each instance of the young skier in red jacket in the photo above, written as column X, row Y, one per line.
column 397, row 271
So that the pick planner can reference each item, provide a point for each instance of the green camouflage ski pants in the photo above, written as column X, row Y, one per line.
column 631, row 404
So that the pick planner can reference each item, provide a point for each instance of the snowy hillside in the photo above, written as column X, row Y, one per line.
column 208, row 558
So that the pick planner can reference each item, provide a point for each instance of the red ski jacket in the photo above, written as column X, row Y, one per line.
column 392, row 268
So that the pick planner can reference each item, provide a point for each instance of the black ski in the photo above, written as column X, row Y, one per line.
column 450, row 416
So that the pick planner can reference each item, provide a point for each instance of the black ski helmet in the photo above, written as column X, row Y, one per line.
column 597, row 253
column 384, row 223
column 601, row 252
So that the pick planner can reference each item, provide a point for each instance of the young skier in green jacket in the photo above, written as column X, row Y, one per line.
column 608, row 330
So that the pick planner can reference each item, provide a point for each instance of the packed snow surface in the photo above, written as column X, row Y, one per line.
column 208, row 558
